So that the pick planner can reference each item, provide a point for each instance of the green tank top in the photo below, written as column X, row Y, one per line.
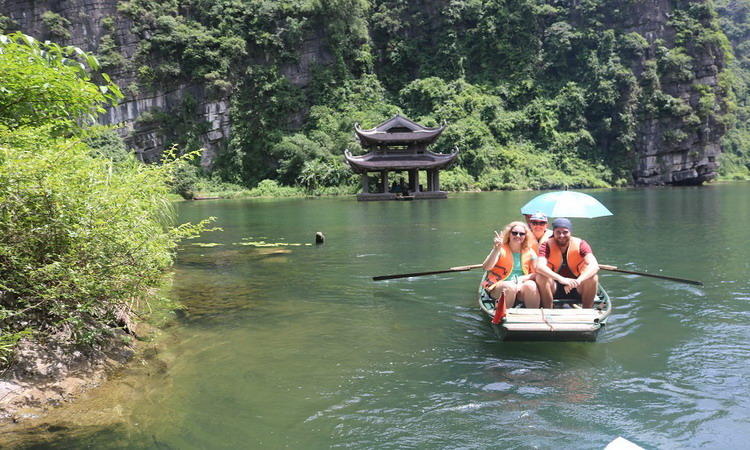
column 517, row 268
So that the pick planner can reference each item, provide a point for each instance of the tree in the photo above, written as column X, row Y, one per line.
column 45, row 83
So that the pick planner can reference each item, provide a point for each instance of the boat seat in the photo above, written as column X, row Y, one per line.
column 565, row 301
column 571, row 301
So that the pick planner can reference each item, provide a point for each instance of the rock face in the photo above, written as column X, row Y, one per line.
column 679, row 146
column 92, row 21
column 147, row 137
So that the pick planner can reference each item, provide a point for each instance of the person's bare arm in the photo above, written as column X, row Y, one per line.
column 491, row 259
column 591, row 269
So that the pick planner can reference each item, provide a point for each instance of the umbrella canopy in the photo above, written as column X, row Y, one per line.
column 566, row 204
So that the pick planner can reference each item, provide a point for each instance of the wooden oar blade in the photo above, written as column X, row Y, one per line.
column 421, row 274
column 645, row 274
column 408, row 275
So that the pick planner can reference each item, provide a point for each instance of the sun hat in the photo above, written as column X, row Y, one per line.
column 538, row 216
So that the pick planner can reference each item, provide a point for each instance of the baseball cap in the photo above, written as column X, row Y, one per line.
column 562, row 222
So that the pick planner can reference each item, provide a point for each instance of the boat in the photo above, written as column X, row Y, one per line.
column 567, row 321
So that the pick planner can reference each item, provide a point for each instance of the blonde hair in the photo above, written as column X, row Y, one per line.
column 528, row 239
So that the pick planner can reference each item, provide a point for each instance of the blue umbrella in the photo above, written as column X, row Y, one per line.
column 566, row 204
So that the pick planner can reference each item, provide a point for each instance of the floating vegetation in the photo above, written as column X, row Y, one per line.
column 274, row 251
column 207, row 244
column 270, row 244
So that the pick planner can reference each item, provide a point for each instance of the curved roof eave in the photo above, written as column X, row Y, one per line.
column 370, row 137
column 371, row 162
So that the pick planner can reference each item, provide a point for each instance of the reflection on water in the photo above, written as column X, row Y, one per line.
column 300, row 348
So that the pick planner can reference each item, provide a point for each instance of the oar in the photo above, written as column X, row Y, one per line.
column 644, row 274
column 421, row 274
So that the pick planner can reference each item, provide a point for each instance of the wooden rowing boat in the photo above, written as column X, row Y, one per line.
column 567, row 321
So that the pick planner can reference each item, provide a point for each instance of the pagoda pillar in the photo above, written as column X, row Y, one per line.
column 430, row 180
column 384, row 181
column 365, row 183
column 414, row 180
column 436, row 180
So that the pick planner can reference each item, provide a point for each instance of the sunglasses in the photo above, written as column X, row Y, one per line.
column 534, row 222
column 518, row 233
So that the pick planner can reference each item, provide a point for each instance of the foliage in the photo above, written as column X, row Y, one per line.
column 317, row 173
column 7, row 24
column 271, row 188
column 57, row 25
column 457, row 179
column 84, row 229
column 735, row 21
column 212, row 185
column 83, row 240
column 568, row 82
column 8, row 341
column 106, row 143
column 45, row 83
column 185, row 179
column 108, row 50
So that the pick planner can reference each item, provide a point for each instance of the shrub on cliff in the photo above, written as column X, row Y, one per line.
column 82, row 236
column 185, row 178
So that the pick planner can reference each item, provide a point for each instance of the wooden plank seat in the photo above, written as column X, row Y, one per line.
column 556, row 327
column 558, row 319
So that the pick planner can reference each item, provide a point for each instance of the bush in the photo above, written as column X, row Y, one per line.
column 106, row 143
column 214, row 185
column 46, row 84
column 457, row 179
column 271, row 188
column 57, row 25
column 185, row 179
column 84, row 229
column 78, row 241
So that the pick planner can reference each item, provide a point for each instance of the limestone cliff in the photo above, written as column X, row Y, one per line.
column 88, row 24
column 678, row 96
column 680, row 143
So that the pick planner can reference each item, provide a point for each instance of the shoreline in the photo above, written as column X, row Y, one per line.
column 50, row 375
column 248, row 193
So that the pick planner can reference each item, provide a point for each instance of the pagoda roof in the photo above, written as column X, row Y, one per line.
column 372, row 162
column 397, row 130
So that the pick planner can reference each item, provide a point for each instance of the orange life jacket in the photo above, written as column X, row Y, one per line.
column 504, row 265
column 576, row 262
column 535, row 246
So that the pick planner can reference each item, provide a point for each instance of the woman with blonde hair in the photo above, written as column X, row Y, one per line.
column 511, row 265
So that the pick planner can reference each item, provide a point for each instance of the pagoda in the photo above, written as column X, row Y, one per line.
column 399, row 145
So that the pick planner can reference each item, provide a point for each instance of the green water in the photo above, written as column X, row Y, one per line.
column 303, row 350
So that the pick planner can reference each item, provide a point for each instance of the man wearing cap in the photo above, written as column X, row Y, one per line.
column 537, row 223
column 566, row 267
